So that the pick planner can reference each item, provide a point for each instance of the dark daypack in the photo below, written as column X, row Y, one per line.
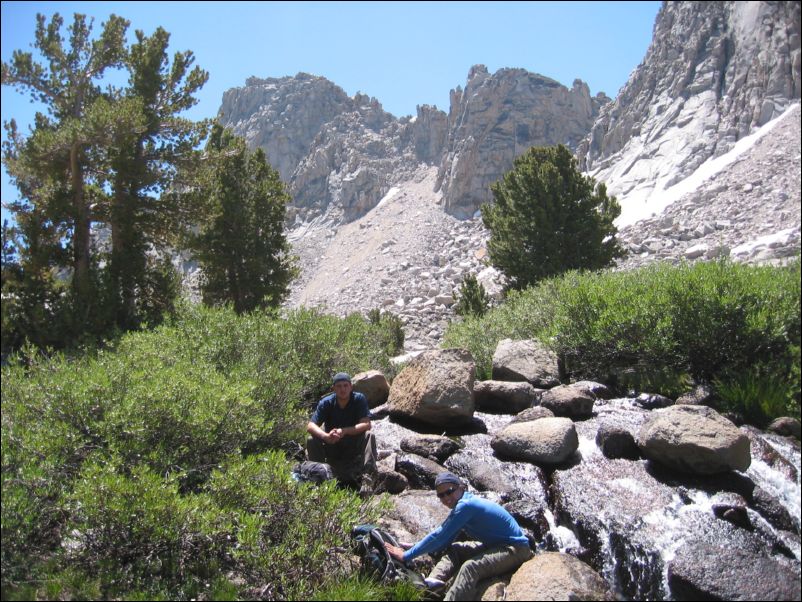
column 312, row 472
column 368, row 543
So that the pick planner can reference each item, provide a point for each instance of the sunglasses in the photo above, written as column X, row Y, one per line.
column 443, row 494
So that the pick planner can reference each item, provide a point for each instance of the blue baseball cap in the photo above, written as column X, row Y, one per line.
column 341, row 376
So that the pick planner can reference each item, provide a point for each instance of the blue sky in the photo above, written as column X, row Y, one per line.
column 402, row 53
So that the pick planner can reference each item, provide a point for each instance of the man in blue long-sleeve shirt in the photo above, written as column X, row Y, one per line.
column 500, row 547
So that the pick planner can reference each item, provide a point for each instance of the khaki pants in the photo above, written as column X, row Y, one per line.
column 475, row 562
column 349, row 459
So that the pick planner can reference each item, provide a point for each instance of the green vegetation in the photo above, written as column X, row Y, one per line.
column 732, row 325
column 548, row 219
column 392, row 329
column 240, row 242
column 100, row 155
column 111, row 182
column 472, row 299
column 154, row 469
column 363, row 587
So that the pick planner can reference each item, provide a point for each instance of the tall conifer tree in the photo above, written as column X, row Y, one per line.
column 240, row 243
column 548, row 219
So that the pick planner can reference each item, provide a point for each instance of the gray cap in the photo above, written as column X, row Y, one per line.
column 447, row 477
column 341, row 376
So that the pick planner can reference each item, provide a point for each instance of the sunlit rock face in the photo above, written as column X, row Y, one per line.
column 715, row 72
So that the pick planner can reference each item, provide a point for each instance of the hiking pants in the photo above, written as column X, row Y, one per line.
column 349, row 459
column 475, row 562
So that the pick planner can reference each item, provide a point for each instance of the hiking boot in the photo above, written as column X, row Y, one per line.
column 367, row 488
column 434, row 584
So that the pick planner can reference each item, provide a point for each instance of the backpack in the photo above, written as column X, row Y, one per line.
column 312, row 472
column 368, row 544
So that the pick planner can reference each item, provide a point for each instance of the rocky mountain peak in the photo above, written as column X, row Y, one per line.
column 715, row 72
column 495, row 119
column 283, row 115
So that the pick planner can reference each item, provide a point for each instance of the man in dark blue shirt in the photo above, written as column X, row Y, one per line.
column 346, row 442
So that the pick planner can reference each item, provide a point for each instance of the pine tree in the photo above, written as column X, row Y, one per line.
column 472, row 299
column 145, row 157
column 68, row 84
column 240, row 242
column 548, row 218
column 103, row 158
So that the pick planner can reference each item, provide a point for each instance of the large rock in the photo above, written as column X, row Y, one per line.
column 694, row 439
column 434, row 447
column 503, row 397
column 419, row 471
column 436, row 387
column 526, row 360
column 373, row 385
column 786, row 426
column 703, row 571
column 568, row 401
column 556, row 576
column 615, row 441
column 546, row 441
column 535, row 413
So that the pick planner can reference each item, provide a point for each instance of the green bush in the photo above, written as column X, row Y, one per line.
column 111, row 461
column 657, row 326
column 288, row 534
column 390, row 330
column 472, row 299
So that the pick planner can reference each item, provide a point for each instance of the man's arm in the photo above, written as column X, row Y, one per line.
column 333, row 437
column 363, row 426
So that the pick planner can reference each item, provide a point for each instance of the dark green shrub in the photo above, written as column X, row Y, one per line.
column 549, row 218
column 287, row 533
column 472, row 299
column 389, row 329
column 656, row 326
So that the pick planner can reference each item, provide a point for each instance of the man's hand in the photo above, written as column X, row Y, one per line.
column 395, row 551
column 334, row 436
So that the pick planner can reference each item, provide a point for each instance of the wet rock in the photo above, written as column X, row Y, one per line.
column 436, row 387
column 530, row 513
column 485, row 476
column 704, row 571
column 651, row 401
column 531, row 414
column 616, row 442
column 528, row 361
column 556, row 576
column 597, row 389
column 694, row 439
column 435, row 447
column 770, row 508
column 568, row 401
column 392, row 482
column 503, row 397
column 373, row 385
column 763, row 450
column 700, row 395
column 413, row 514
column 420, row 472
column 732, row 508
column 786, row 426
column 547, row 441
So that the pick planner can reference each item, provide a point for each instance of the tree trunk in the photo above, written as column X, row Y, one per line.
column 81, row 236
